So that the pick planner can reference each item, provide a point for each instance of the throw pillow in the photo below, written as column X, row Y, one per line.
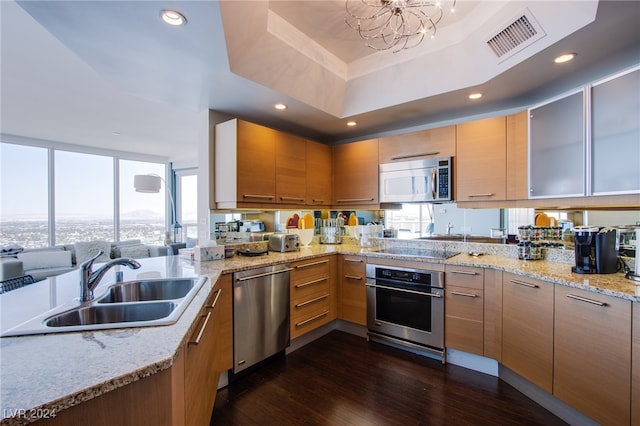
column 116, row 246
column 45, row 259
column 85, row 250
column 134, row 251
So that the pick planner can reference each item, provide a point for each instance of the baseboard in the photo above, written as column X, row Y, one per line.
column 473, row 362
column 542, row 397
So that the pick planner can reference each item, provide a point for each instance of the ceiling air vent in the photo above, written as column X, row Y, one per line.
column 514, row 37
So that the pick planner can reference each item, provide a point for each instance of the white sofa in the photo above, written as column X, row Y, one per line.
column 47, row 262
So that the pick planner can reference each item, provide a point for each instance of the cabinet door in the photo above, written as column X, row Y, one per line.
column 291, row 169
column 432, row 143
column 353, row 291
column 464, row 308
column 319, row 174
column 592, row 354
column 556, row 148
column 355, row 173
column 616, row 135
column 517, row 146
column 481, row 160
column 201, row 377
column 527, row 329
column 493, row 314
column 224, row 346
column 256, row 170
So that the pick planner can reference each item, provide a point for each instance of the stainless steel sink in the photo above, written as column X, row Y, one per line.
column 112, row 314
column 135, row 291
column 138, row 303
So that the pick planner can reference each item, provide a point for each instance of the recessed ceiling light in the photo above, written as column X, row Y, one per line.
column 280, row 106
column 173, row 17
column 564, row 58
column 475, row 96
column 351, row 123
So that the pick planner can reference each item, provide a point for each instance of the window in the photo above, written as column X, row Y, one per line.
column 51, row 195
column 23, row 196
column 187, row 194
column 83, row 197
column 412, row 221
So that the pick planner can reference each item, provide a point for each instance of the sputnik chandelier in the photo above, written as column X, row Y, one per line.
column 395, row 24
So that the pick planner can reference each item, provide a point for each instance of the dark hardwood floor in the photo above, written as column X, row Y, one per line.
column 341, row 379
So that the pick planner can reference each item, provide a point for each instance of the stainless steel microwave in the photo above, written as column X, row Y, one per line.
column 418, row 181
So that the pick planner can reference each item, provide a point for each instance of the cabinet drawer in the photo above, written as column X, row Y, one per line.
column 312, row 319
column 302, row 307
column 308, row 287
column 465, row 303
column 353, row 267
column 309, row 270
column 464, row 276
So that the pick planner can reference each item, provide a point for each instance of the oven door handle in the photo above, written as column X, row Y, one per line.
column 404, row 290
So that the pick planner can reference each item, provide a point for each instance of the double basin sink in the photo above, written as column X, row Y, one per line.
column 127, row 304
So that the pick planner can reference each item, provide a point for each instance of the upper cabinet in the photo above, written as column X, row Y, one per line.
column 615, row 135
column 319, row 174
column 432, row 143
column 517, row 146
column 258, row 167
column 481, row 159
column 355, row 173
column 556, row 148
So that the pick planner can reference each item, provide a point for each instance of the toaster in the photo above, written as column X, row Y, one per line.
column 284, row 242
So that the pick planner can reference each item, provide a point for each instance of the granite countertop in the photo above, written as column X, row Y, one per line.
column 56, row 371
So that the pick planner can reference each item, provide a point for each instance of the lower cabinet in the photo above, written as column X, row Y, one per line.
column 527, row 328
column 464, row 309
column 353, row 290
column 592, row 354
column 493, row 314
column 312, row 294
column 224, row 344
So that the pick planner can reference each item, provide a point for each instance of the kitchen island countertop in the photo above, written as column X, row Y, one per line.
column 43, row 374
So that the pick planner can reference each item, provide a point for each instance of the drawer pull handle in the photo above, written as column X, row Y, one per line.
column 524, row 284
column 215, row 300
column 319, row 280
column 308, row 302
column 584, row 299
column 307, row 265
column 262, row 197
column 353, row 260
column 204, row 325
column 300, row 324
column 291, row 199
column 457, row 293
column 352, row 277
column 354, row 200
column 464, row 273
column 424, row 154
column 489, row 194
column 318, row 201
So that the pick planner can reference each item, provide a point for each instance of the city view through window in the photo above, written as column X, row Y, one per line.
column 83, row 199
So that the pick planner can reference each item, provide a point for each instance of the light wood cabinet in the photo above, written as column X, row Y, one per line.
column 592, row 354
column 527, row 328
column 200, row 376
column 464, row 309
column 312, row 294
column 353, row 291
column 480, row 165
column 291, row 169
column 431, row 143
column 355, row 174
column 319, row 174
column 224, row 344
column 517, row 155
column 258, row 167
column 635, row 365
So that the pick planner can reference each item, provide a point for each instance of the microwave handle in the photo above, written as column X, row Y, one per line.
column 434, row 176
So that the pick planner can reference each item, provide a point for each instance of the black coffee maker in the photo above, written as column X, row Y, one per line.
column 595, row 250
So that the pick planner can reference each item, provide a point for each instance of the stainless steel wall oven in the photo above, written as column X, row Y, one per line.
column 406, row 306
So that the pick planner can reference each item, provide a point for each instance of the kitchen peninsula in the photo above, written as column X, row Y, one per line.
column 55, row 373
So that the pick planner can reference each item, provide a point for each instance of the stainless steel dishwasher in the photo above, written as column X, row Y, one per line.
column 260, row 314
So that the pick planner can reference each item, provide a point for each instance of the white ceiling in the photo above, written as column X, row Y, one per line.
column 78, row 71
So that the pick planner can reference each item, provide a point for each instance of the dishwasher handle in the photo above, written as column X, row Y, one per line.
column 264, row 274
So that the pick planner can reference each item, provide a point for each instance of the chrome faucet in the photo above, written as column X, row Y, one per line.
column 89, row 279
column 449, row 226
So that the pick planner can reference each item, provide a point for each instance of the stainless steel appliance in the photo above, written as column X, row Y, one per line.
column 260, row 314
column 416, row 181
column 406, row 307
column 595, row 250
column 284, row 242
